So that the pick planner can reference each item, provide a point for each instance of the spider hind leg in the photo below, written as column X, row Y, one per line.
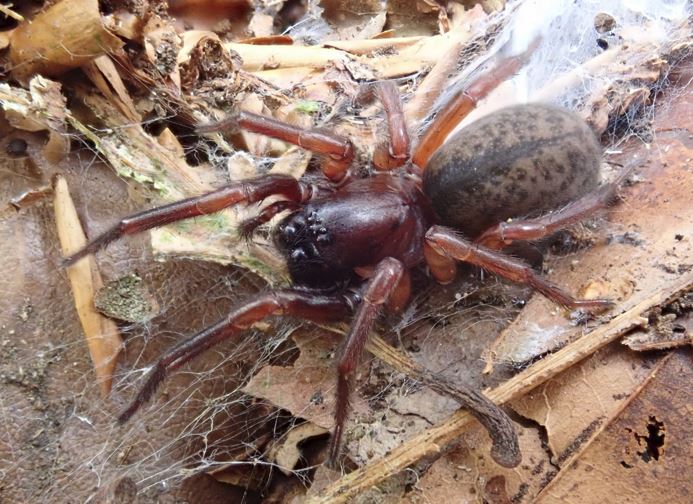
column 449, row 244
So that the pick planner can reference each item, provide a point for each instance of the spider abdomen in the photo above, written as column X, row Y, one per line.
column 520, row 161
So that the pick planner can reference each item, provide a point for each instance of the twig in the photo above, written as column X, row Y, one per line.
column 506, row 449
column 433, row 440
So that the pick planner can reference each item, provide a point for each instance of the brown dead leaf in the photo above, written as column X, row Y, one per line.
column 455, row 477
column 412, row 17
column 5, row 39
column 228, row 16
column 305, row 388
column 286, row 452
column 642, row 456
column 31, row 196
column 246, row 476
column 356, row 19
column 573, row 406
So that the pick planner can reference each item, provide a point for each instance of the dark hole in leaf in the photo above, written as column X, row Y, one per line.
column 653, row 441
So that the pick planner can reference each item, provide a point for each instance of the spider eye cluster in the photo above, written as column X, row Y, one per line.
column 299, row 234
column 317, row 230
column 300, row 237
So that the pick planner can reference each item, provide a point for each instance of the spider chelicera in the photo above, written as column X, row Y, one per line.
column 349, row 243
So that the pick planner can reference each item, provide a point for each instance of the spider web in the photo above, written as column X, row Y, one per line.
column 63, row 442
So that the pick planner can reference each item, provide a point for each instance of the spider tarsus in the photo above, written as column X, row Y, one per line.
column 72, row 259
column 125, row 415
column 96, row 244
column 335, row 450
column 154, row 378
column 228, row 125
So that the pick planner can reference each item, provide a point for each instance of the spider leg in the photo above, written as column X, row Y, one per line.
column 392, row 154
column 463, row 102
column 247, row 191
column 301, row 304
column 338, row 150
column 381, row 287
column 447, row 243
column 504, row 233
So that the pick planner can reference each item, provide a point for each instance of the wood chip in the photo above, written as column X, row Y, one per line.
column 65, row 36
column 101, row 333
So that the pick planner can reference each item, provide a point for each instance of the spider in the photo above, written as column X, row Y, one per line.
column 350, row 242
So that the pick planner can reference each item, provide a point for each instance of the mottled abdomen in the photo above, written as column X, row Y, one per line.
column 521, row 161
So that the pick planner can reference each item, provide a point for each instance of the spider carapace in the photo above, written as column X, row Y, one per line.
column 350, row 243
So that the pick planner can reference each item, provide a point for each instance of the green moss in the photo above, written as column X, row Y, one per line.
column 308, row 107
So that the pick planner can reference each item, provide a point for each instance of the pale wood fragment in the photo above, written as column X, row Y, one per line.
column 101, row 333
column 65, row 36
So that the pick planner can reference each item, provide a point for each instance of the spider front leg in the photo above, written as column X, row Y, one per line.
column 385, row 285
column 247, row 191
column 301, row 304
column 463, row 102
column 393, row 153
column 445, row 243
column 338, row 150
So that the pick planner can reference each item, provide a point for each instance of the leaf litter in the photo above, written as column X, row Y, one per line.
column 160, row 69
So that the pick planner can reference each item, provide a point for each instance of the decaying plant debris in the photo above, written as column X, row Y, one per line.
column 128, row 81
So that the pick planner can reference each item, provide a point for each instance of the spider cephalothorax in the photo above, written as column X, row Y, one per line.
column 350, row 243
column 330, row 236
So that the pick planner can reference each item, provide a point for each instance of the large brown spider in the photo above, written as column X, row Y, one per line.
column 350, row 243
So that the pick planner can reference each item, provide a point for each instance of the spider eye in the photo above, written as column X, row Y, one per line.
column 289, row 231
column 298, row 254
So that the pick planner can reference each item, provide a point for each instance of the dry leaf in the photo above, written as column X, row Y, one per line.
column 286, row 452
column 356, row 19
column 306, row 388
column 455, row 477
column 642, row 456
column 412, row 17
column 575, row 404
